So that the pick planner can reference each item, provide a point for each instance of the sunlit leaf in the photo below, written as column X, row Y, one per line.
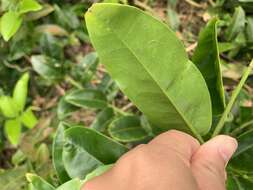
column 28, row 6
column 20, row 91
column 46, row 10
column 8, row 106
column 28, row 118
column 13, row 130
column 151, row 67
column 10, row 23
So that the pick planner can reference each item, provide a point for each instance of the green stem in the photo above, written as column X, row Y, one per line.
column 119, row 110
column 243, row 126
column 232, row 100
column 199, row 137
column 73, row 82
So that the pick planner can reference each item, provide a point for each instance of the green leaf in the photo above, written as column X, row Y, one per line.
column 18, row 158
column 237, row 24
column 13, row 179
column 103, row 119
column 8, row 107
column 26, row 6
column 249, row 29
column 13, row 130
column 86, row 149
column 173, row 18
column 29, row 119
column 206, row 57
column 46, row 10
column 87, row 98
column 42, row 155
column 97, row 172
column 235, row 182
column 231, row 102
column 74, row 184
column 20, row 91
column 127, row 129
column 151, row 67
column 10, row 23
column 38, row 183
column 226, row 46
column 47, row 67
column 58, row 144
column 242, row 159
column 65, row 109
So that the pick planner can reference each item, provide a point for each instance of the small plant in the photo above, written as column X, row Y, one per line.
column 13, row 109
column 151, row 67
column 12, row 19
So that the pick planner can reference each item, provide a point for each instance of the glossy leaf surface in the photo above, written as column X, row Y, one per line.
column 28, row 118
column 38, row 183
column 58, row 144
column 237, row 24
column 10, row 23
column 151, row 67
column 103, row 119
column 46, row 67
column 65, row 109
column 28, row 6
column 206, row 57
column 8, row 106
column 13, row 130
column 20, row 91
column 84, row 145
column 87, row 98
column 74, row 184
column 127, row 129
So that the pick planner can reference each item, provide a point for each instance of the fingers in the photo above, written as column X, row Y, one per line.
column 209, row 162
column 177, row 142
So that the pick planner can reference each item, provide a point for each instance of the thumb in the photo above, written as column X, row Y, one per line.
column 209, row 162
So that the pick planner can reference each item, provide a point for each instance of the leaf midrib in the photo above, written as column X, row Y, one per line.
column 136, row 57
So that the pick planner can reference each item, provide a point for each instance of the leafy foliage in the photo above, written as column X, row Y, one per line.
column 48, row 66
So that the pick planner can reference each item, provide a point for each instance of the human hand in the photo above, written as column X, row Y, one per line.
column 173, row 160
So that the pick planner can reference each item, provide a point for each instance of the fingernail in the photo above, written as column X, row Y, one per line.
column 228, row 148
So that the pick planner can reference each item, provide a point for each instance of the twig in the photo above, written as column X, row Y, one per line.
column 232, row 100
column 191, row 47
column 126, row 107
column 16, row 67
column 73, row 82
column 194, row 4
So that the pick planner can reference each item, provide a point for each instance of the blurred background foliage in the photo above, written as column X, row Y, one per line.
column 48, row 39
